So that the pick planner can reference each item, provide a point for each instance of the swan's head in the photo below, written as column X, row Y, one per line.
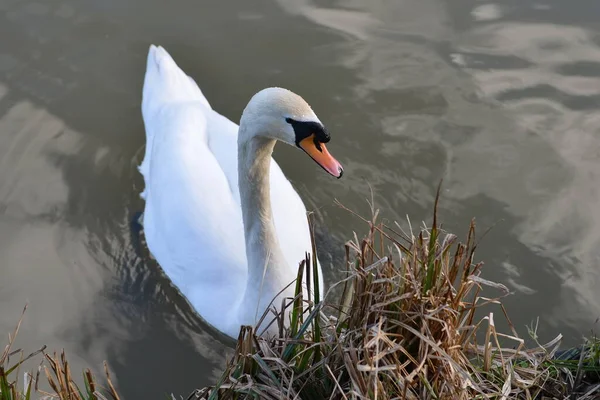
column 282, row 115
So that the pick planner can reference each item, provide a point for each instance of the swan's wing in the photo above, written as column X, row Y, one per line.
column 222, row 136
column 164, row 84
column 192, row 222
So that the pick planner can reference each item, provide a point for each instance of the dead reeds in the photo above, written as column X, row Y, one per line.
column 404, row 328
column 57, row 375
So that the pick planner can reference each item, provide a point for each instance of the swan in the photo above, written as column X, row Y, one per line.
column 220, row 217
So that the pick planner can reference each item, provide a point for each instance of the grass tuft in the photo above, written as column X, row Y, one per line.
column 405, row 327
column 57, row 376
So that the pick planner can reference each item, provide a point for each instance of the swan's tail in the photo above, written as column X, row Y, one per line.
column 164, row 83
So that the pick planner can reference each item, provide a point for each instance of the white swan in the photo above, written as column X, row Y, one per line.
column 228, row 246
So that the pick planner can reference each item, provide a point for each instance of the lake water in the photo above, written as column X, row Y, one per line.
column 500, row 99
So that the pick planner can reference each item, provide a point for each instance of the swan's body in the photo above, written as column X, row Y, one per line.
column 193, row 219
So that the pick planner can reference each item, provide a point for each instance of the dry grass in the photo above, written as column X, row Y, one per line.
column 405, row 328
column 56, row 373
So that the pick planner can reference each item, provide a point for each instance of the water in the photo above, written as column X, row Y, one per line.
column 500, row 99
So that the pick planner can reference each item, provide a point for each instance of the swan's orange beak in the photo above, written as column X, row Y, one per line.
column 318, row 152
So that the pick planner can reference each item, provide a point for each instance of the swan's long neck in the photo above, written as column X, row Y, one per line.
column 267, row 271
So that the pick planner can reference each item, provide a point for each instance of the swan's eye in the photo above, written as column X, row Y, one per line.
column 304, row 129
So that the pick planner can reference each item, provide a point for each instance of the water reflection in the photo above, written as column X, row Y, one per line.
column 550, row 92
column 43, row 262
column 512, row 127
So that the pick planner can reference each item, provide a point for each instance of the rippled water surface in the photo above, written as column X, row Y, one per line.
column 501, row 100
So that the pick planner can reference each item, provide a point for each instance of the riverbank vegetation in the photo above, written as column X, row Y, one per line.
column 413, row 322
column 52, row 379
column 412, row 319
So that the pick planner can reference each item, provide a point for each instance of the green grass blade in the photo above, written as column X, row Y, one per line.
column 297, row 310
column 289, row 350
column 433, row 238
column 5, row 393
column 28, row 391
